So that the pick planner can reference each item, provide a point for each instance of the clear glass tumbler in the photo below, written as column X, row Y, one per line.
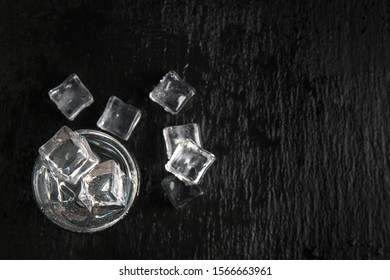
column 71, row 215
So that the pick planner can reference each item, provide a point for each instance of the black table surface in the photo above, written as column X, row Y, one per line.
column 292, row 98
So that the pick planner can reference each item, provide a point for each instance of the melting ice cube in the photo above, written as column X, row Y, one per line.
column 174, row 135
column 119, row 118
column 189, row 162
column 172, row 93
column 178, row 193
column 71, row 97
column 104, row 188
column 57, row 191
column 68, row 155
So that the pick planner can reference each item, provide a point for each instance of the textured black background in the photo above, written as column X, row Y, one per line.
column 292, row 98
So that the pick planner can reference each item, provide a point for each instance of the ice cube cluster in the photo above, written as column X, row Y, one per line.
column 73, row 173
column 188, row 161
column 118, row 118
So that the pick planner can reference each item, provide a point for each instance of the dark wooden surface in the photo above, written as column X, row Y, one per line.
column 292, row 97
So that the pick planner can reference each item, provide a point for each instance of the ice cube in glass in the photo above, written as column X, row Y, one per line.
column 172, row 93
column 119, row 118
column 57, row 191
column 189, row 162
column 103, row 188
column 178, row 193
column 68, row 155
column 71, row 96
column 173, row 135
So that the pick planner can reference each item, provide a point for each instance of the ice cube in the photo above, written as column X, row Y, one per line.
column 119, row 118
column 178, row 193
column 71, row 97
column 62, row 192
column 57, row 191
column 68, row 155
column 103, row 190
column 173, row 135
column 189, row 162
column 172, row 93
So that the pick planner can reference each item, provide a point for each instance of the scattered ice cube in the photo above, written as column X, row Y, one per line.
column 172, row 93
column 68, row 155
column 71, row 97
column 189, row 162
column 178, row 193
column 103, row 188
column 174, row 135
column 119, row 118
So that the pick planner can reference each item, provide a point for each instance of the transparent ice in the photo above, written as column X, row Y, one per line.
column 59, row 200
column 172, row 93
column 68, row 155
column 174, row 135
column 119, row 118
column 103, row 189
column 57, row 191
column 189, row 162
column 71, row 97
column 178, row 193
